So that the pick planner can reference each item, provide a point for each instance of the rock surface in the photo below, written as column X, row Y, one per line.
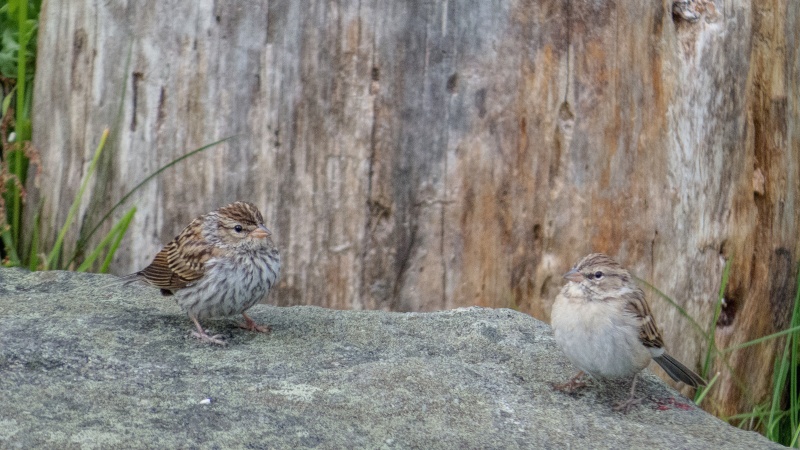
column 88, row 365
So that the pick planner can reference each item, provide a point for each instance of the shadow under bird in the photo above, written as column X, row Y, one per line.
column 603, row 323
column 221, row 264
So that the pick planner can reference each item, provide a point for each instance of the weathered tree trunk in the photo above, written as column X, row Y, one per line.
column 430, row 155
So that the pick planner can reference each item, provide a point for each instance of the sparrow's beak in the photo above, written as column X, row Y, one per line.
column 573, row 275
column 261, row 233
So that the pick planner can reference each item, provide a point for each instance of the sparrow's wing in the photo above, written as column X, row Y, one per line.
column 648, row 333
column 180, row 262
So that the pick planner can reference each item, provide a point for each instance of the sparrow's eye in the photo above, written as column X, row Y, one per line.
column 238, row 228
column 598, row 275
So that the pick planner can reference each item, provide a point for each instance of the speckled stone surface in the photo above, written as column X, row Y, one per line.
column 88, row 365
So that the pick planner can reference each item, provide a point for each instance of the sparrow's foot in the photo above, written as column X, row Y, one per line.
column 216, row 339
column 250, row 324
column 203, row 335
column 632, row 400
column 627, row 404
column 572, row 385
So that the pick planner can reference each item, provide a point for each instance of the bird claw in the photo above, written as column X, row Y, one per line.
column 216, row 339
column 626, row 405
column 251, row 325
column 256, row 327
column 571, row 385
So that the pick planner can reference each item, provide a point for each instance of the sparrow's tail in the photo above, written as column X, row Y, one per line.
column 678, row 371
column 126, row 280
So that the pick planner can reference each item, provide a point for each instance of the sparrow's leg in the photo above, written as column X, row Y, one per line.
column 572, row 385
column 250, row 324
column 203, row 336
column 631, row 401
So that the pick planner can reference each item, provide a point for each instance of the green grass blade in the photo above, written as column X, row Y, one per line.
column 7, row 101
column 124, row 93
column 672, row 302
column 11, row 250
column 124, row 224
column 793, row 443
column 150, row 177
column 779, row 381
column 793, row 341
column 21, row 135
column 56, row 251
column 33, row 254
column 762, row 339
column 711, row 338
column 701, row 393
column 92, row 257
column 788, row 369
column 113, row 237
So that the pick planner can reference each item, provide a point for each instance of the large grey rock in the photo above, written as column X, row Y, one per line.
column 87, row 365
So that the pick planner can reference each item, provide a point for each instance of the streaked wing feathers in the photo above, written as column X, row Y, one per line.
column 181, row 262
column 648, row 333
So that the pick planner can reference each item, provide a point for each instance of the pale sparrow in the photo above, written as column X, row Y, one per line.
column 221, row 264
column 603, row 324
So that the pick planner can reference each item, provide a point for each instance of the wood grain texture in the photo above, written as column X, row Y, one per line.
column 430, row 155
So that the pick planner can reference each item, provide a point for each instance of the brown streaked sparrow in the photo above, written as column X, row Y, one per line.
column 603, row 324
column 221, row 264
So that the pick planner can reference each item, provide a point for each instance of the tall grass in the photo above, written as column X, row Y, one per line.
column 779, row 417
column 18, row 27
